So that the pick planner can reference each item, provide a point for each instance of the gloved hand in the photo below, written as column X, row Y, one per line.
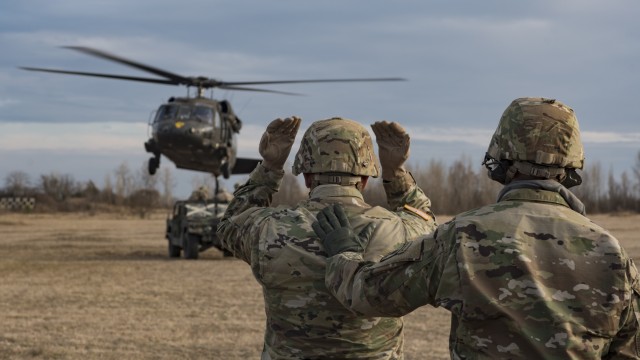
column 335, row 231
column 275, row 144
column 393, row 148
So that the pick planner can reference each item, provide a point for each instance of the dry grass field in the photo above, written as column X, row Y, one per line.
column 102, row 287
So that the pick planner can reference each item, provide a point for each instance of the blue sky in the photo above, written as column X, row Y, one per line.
column 464, row 60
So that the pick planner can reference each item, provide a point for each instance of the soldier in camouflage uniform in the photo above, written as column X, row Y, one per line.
column 527, row 277
column 304, row 321
column 201, row 194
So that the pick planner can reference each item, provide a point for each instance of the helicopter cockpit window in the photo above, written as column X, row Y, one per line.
column 184, row 113
column 166, row 112
column 203, row 114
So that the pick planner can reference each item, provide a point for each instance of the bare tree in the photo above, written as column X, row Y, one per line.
column 591, row 189
column 91, row 191
column 17, row 183
column 374, row 194
column 143, row 201
column 614, row 193
column 107, row 195
column 167, row 183
column 432, row 181
column 487, row 189
column 144, row 180
column 291, row 191
column 464, row 191
column 124, row 182
column 58, row 186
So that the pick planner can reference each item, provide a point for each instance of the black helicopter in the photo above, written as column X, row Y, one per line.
column 195, row 133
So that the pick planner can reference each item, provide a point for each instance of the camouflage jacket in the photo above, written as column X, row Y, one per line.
column 303, row 319
column 526, row 277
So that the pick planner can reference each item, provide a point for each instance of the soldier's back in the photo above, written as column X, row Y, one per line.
column 537, row 280
column 304, row 319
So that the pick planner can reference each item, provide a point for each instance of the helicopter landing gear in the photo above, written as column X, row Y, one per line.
column 225, row 170
column 154, row 164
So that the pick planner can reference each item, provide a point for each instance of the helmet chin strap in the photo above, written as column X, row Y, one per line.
column 505, row 171
column 527, row 168
column 342, row 179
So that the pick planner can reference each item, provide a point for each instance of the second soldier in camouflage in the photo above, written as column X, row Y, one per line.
column 529, row 277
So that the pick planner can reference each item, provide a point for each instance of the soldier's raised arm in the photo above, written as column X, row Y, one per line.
column 257, row 192
column 403, row 195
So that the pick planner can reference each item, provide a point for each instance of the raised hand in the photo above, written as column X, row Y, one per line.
column 393, row 148
column 277, row 140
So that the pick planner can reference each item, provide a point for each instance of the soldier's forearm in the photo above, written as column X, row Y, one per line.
column 412, row 205
column 379, row 289
column 256, row 192
column 403, row 190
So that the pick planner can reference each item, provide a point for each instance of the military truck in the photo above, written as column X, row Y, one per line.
column 191, row 226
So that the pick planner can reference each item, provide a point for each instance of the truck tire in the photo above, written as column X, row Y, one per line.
column 191, row 244
column 174, row 251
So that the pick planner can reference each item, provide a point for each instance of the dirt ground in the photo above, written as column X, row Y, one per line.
column 102, row 287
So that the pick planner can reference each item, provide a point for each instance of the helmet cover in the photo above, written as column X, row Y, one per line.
column 336, row 145
column 539, row 131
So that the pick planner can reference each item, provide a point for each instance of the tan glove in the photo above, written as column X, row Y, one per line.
column 276, row 142
column 393, row 148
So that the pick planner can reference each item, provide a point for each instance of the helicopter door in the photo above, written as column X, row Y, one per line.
column 218, row 128
column 225, row 132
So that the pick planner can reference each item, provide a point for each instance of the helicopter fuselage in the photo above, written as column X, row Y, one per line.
column 196, row 134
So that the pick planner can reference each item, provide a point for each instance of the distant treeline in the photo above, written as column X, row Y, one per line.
column 463, row 185
column 123, row 189
column 452, row 188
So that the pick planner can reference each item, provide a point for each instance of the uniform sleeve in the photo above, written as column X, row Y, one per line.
column 411, row 204
column 235, row 229
column 402, row 281
column 626, row 343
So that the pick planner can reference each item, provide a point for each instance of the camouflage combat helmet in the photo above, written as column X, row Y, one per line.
column 336, row 145
column 202, row 193
column 539, row 137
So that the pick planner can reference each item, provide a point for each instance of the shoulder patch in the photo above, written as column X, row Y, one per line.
column 418, row 212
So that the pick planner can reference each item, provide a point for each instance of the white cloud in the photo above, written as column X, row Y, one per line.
column 92, row 137
column 119, row 136
column 478, row 137
column 609, row 137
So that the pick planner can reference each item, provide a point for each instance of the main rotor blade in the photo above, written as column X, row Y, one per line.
column 166, row 74
column 226, row 87
column 109, row 76
column 309, row 81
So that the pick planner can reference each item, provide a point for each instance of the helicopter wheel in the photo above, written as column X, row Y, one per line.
column 154, row 163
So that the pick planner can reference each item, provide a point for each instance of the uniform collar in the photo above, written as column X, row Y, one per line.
column 332, row 190
column 549, row 191
column 536, row 195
